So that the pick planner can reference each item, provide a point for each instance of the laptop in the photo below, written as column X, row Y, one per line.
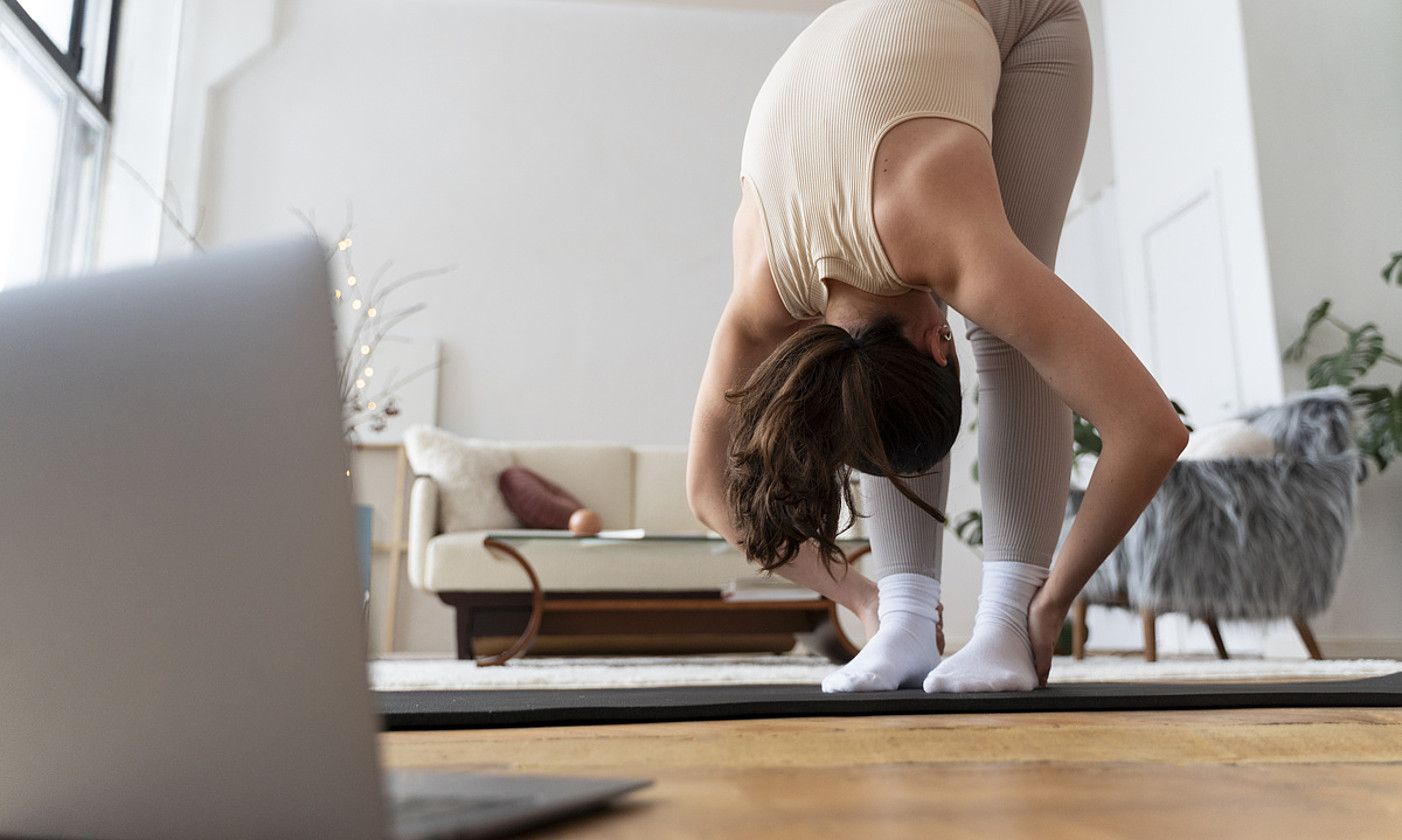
column 182, row 642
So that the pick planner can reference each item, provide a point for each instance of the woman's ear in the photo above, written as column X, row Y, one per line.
column 941, row 349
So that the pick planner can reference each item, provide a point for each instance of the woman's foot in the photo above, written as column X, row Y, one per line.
column 999, row 656
column 904, row 647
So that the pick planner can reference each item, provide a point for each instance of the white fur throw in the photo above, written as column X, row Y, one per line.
column 466, row 471
column 1234, row 438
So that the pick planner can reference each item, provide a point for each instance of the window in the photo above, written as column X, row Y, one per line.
column 56, row 60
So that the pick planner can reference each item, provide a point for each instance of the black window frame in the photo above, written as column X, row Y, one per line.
column 71, row 61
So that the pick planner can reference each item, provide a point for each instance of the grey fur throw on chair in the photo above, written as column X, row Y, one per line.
column 1245, row 538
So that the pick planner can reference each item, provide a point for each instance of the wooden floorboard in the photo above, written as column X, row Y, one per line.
column 1268, row 773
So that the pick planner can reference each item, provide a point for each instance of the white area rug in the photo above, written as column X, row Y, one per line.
column 639, row 671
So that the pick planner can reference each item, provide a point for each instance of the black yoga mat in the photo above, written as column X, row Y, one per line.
column 554, row 707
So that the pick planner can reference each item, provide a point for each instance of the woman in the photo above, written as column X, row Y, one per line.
column 901, row 157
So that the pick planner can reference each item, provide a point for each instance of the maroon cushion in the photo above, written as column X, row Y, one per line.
column 535, row 500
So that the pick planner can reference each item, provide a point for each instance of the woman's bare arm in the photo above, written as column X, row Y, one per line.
column 734, row 355
column 753, row 324
column 948, row 220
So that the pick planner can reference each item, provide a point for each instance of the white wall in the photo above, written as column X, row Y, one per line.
column 1192, row 243
column 576, row 161
column 1326, row 94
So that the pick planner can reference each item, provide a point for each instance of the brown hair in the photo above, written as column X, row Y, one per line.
column 826, row 402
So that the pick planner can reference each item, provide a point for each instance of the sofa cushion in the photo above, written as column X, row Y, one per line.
column 600, row 475
column 537, row 501
column 1233, row 438
column 465, row 470
column 659, row 490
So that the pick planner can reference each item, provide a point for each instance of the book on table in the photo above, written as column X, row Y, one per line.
column 762, row 589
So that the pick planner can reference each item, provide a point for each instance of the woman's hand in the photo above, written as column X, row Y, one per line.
column 1045, row 618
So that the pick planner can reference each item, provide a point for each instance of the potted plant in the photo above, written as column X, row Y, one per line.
column 1379, row 406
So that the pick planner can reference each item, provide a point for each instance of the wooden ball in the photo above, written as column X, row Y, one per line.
column 585, row 523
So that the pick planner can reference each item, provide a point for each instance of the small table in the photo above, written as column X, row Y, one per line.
column 813, row 620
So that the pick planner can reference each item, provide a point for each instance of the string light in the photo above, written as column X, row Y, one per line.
column 364, row 349
column 372, row 312
column 360, row 384
column 338, row 294
column 355, row 304
column 352, row 280
column 344, row 243
column 347, row 473
column 369, row 372
column 371, row 406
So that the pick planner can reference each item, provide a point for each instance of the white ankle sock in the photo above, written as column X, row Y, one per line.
column 999, row 656
column 903, row 649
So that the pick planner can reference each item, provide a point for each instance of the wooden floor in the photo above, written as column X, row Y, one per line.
column 1268, row 773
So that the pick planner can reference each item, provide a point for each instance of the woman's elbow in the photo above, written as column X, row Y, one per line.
column 702, row 500
column 1152, row 440
column 698, row 509
column 1172, row 441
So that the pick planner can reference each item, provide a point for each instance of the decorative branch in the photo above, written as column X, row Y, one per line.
column 371, row 324
column 170, row 214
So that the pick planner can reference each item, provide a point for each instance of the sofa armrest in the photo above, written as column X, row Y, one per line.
column 423, row 526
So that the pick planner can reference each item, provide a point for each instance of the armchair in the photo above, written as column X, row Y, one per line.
column 1241, row 538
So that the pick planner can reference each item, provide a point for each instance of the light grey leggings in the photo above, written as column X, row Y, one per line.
column 1040, row 123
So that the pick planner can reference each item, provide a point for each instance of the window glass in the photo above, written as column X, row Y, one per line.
column 29, row 148
column 55, row 17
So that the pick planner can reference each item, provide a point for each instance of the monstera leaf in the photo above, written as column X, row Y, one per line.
column 1361, row 351
column 1085, row 438
column 1380, row 433
column 1392, row 272
column 1296, row 350
column 969, row 528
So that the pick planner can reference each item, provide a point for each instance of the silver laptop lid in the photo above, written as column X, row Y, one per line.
column 181, row 647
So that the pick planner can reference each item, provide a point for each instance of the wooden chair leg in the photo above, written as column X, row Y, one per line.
column 462, row 620
column 1151, row 650
column 1216, row 637
column 1303, row 628
column 1078, row 628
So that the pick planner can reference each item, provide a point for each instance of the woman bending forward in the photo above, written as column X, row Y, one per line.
column 901, row 157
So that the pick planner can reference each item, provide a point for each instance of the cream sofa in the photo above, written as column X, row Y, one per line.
column 629, row 486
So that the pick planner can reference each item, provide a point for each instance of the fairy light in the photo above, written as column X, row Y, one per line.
column 364, row 349
column 372, row 406
column 355, row 304
column 338, row 294
column 352, row 280
column 347, row 473
column 372, row 312
column 369, row 372
column 360, row 384
column 344, row 243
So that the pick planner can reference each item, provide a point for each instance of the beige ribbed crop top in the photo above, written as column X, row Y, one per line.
column 859, row 69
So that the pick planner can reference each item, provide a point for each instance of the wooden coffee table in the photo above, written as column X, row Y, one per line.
column 813, row 621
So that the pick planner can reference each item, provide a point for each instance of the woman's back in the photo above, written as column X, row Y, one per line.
column 859, row 69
